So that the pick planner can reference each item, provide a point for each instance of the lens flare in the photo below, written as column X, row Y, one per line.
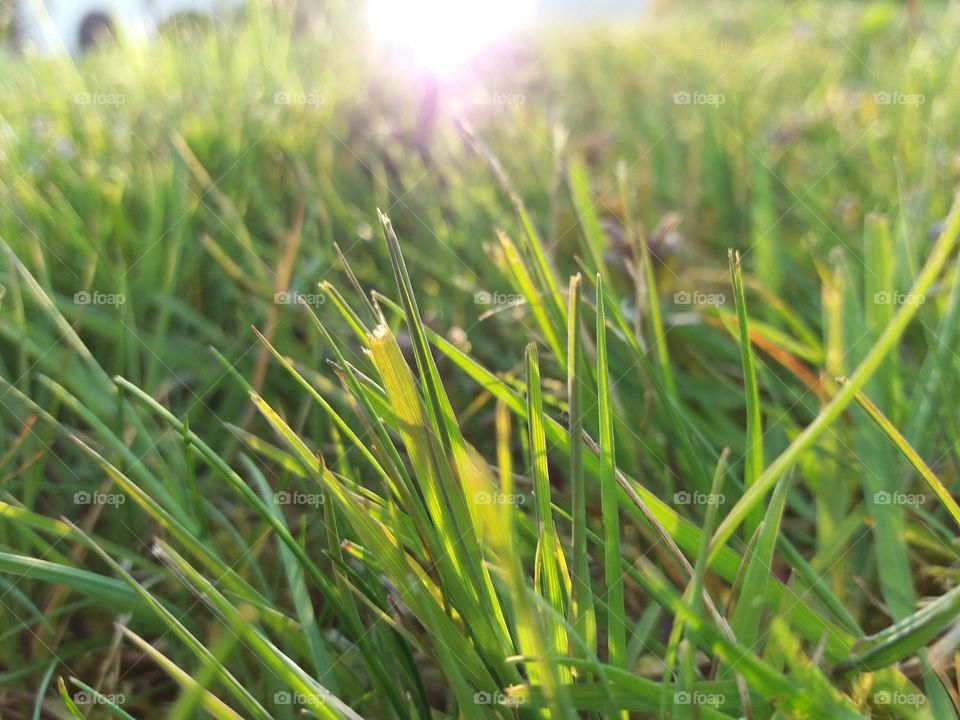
column 441, row 36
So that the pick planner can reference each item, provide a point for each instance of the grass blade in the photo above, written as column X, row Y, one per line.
column 906, row 449
column 581, row 612
column 211, row 703
column 905, row 637
column 547, row 544
column 753, row 462
column 613, row 575
column 753, row 591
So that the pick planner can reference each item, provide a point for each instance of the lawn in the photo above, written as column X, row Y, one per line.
column 615, row 375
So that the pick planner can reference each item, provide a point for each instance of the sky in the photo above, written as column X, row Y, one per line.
column 591, row 7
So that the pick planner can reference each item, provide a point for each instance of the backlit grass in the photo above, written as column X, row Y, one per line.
column 624, row 383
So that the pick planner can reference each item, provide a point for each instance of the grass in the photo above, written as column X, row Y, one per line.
column 518, row 445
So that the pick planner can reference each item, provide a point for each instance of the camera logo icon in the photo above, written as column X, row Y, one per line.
column 483, row 698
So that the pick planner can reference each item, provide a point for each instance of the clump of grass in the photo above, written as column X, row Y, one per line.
column 430, row 570
column 385, row 502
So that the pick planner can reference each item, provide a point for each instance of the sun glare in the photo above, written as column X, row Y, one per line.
column 440, row 36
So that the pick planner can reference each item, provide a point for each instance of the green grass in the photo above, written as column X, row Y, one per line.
column 407, row 420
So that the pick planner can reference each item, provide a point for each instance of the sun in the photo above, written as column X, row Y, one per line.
column 441, row 36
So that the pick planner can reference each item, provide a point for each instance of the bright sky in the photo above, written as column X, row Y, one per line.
column 442, row 35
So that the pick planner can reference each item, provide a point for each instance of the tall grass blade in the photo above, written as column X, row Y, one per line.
column 613, row 575
column 900, row 442
column 753, row 460
column 581, row 611
column 547, row 542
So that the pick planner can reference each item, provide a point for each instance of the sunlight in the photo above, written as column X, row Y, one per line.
column 441, row 36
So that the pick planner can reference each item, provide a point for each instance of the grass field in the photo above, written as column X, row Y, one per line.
column 617, row 376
